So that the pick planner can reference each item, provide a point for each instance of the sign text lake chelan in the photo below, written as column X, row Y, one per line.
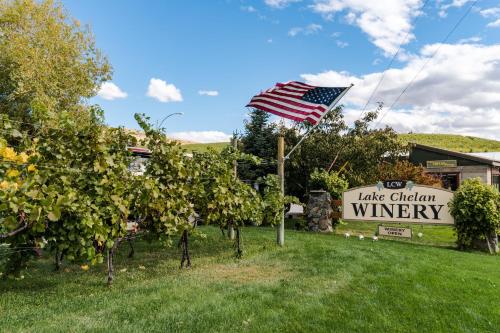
column 388, row 202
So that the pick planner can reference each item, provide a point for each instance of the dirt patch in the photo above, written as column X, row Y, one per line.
column 242, row 273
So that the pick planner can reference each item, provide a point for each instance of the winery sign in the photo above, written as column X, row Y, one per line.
column 397, row 201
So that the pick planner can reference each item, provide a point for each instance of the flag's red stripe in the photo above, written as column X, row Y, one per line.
column 296, row 91
column 300, row 86
column 284, row 115
column 287, row 93
column 296, row 83
column 316, row 112
column 284, row 94
column 256, row 99
column 312, row 121
column 305, row 85
column 257, row 104
column 296, row 102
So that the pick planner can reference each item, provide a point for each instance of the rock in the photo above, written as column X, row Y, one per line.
column 319, row 212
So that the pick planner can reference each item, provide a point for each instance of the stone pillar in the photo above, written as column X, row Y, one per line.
column 319, row 211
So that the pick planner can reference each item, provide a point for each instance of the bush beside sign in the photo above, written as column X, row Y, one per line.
column 412, row 204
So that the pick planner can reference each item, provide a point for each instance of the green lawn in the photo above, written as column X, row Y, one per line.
column 316, row 283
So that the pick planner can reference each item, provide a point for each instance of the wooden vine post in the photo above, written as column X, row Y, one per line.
column 230, row 227
column 280, row 237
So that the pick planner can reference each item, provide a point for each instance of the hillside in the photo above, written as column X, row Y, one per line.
column 466, row 144
column 139, row 135
column 203, row 147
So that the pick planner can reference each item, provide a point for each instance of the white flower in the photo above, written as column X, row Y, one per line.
column 420, row 235
column 375, row 238
column 361, row 237
column 347, row 235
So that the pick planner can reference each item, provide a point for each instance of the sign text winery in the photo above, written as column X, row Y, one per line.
column 397, row 201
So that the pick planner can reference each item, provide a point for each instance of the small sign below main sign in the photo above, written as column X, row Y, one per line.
column 394, row 231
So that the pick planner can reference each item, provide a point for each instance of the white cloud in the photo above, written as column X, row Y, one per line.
column 208, row 92
column 270, row 40
column 493, row 12
column 440, row 118
column 308, row 30
column 474, row 39
column 490, row 12
column 342, row 44
column 451, row 4
column 494, row 24
column 279, row 3
column 110, row 91
column 458, row 91
column 250, row 9
column 201, row 136
column 163, row 92
column 386, row 22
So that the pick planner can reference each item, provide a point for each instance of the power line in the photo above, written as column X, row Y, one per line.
column 427, row 62
column 404, row 41
column 390, row 63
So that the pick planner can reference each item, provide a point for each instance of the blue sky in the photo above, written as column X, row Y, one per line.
column 231, row 49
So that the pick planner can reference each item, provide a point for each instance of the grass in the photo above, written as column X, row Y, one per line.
column 203, row 147
column 466, row 144
column 316, row 283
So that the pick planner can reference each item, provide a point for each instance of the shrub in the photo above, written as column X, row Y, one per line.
column 331, row 182
column 405, row 170
column 476, row 209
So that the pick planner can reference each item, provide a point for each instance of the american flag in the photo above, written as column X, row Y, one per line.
column 297, row 101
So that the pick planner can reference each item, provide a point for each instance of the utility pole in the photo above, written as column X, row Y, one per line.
column 280, row 236
column 230, row 228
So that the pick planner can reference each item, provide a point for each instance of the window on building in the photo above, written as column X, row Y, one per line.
column 450, row 180
column 495, row 181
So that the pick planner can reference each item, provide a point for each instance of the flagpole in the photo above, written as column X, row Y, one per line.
column 334, row 103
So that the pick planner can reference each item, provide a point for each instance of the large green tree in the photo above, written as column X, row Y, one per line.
column 46, row 59
column 259, row 139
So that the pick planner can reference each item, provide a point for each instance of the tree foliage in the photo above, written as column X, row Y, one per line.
column 46, row 58
column 165, row 194
column 225, row 200
column 259, row 139
column 332, row 182
column 74, row 193
column 405, row 170
column 476, row 209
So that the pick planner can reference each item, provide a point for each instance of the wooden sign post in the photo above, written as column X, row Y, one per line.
column 280, row 236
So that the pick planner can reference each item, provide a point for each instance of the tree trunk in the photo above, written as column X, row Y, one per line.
column 492, row 242
column 111, row 253
column 58, row 260
column 132, row 251
column 185, row 250
column 239, row 250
